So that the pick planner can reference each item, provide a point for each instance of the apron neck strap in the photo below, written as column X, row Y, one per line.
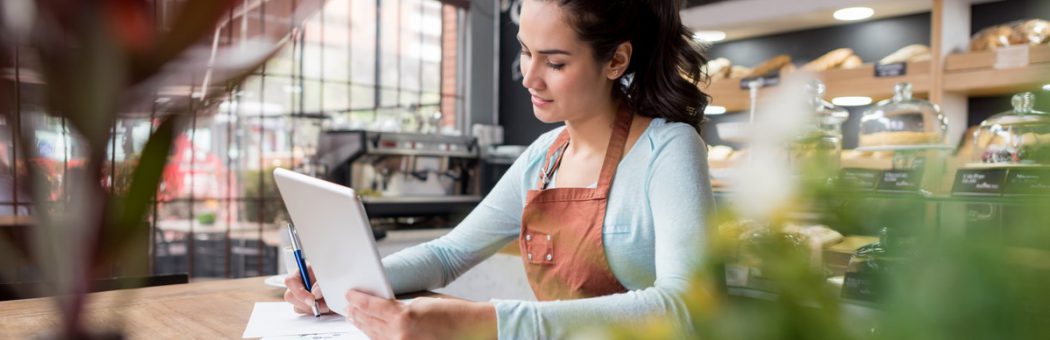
column 613, row 153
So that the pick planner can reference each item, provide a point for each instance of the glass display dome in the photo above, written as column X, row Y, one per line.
column 823, row 140
column 1017, row 137
column 902, row 121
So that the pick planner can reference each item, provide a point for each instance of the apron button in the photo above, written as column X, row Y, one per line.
column 550, row 257
column 528, row 237
column 530, row 256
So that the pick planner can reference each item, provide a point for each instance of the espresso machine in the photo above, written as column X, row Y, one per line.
column 404, row 179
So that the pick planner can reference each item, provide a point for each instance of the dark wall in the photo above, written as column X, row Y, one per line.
column 871, row 40
column 520, row 126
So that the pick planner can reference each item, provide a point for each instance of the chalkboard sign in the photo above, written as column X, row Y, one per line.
column 979, row 182
column 772, row 79
column 891, row 70
column 1025, row 181
column 907, row 181
column 861, row 286
column 859, row 179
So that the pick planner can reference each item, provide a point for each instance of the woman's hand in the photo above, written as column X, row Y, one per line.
column 424, row 318
column 301, row 299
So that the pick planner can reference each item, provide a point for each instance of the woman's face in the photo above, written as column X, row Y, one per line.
column 559, row 70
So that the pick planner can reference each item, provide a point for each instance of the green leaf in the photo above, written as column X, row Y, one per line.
column 128, row 210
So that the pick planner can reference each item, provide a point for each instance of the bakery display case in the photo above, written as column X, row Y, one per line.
column 901, row 148
column 1018, row 137
column 1011, row 154
column 903, row 122
column 821, row 143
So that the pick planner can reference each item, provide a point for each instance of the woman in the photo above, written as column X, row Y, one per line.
column 595, row 250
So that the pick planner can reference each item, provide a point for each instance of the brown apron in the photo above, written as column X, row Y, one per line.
column 561, row 228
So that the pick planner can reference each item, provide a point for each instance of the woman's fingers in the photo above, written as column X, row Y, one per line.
column 297, row 304
column 372, row 326
column 301, row 299
column 373, row 306
column 293, row 280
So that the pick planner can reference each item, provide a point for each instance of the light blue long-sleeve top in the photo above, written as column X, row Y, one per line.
column 653, row 234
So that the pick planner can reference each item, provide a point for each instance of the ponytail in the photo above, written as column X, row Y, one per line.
column 665, row 70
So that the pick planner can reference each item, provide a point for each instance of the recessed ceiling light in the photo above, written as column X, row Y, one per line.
column 851, row 101
column 714, row 110
column 709, row 36
column 854, row 13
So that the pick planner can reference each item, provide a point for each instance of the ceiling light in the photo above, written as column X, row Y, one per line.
column 709, row 36
column 854, row 13
column 851, row 101
column 714, row 110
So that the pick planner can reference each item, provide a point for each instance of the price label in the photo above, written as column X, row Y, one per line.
column 891, row 70
column 979, row 182
column 1027, row 182
column 768, row 80
column 861, row 286
column 859, row 179
column 900, row 181
column 1011, row 57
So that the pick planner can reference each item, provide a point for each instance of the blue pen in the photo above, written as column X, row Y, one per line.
column 300, row 261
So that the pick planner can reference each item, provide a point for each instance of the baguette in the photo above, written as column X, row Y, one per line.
column 718, row 68
column 906, row 53
column 770, row 66
column 737, row 71
column 852, row 62
column 829, row 60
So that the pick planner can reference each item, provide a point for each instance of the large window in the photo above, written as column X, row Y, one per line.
column 362, row 64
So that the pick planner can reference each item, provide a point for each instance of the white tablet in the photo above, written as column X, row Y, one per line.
column 336, row 237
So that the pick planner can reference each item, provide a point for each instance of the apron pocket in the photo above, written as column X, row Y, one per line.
column 539, row 248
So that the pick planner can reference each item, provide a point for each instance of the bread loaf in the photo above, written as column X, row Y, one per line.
column 718, row 68
column 853, row 61
column 1035, row 31
column 994, row 37
column 770, row 66
column 737, row 71
column 906, row 54
column 829, row 60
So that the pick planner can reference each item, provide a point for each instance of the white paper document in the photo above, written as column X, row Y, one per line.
column 278, row 319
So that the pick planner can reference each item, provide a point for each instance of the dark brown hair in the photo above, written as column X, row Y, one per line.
column 665, row 66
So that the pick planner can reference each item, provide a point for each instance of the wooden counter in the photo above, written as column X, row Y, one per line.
column 200, row 310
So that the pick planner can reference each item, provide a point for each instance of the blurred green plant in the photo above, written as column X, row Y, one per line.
column 946, row 281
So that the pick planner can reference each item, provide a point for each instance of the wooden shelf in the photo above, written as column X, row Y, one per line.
column 859, row 81
column 974, row 74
